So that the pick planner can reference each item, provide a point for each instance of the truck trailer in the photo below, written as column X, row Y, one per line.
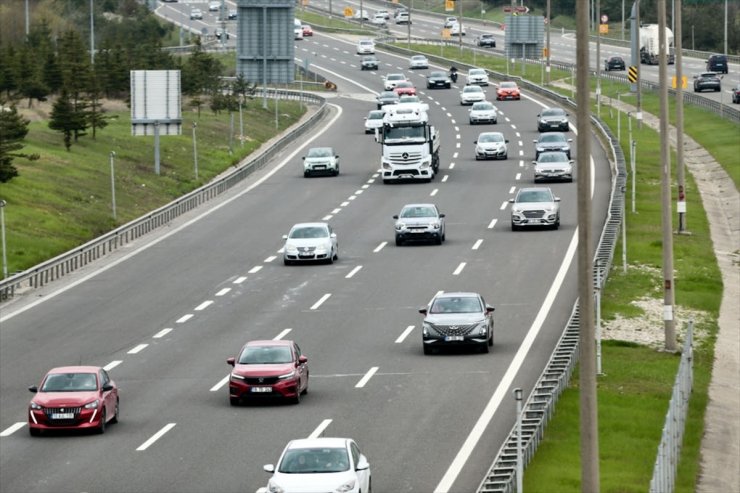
column 649, row 45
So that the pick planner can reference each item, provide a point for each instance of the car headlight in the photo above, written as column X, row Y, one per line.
column 274, row 488
column 428, row 330
column 287, row 375
column 35, row 406
column 291, row 249
column 92, row 405
column 348, row 486
column 236, row 376
column 400, row 226
column 482, row 328
column 436, row 225
column 479, row 149
column 322, row 249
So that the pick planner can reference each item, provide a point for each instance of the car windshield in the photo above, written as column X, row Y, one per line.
column 419, row 58
column 437, row 74
column 549, row 138
column 534, row 196
column 459, row 304
column 314, row 461
column 320, row 152
column 395, row 134
column 553, row 112
column 369, row 59
column 490, row 138
column 396, row 77
column 418, row 211
column 309, row 232
column 388, row 94
column 404, row 84
column 375, row 115
column 482, row 106
column 366, row 42
column 508, row 85
column 472, row 89
column 70, row 382
column 477, row 71
column 261, row 355
column 409, row 99
column 553, row 157
column 486, row 36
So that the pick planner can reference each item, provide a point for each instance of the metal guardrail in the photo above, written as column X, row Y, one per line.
column 669, row 450
column 93, row 250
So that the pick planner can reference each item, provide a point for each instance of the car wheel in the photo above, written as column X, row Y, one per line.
column 514, row 227
column 477, row 158
column 115, row 416
column 399, row 241
column 506, row 156
column 336, row 171
column 438, row 240
column 557, row 223
column 34, row 432
column 306, row 174
column 101, row 428
column 234, row 401
column 427, row 350
column 484, row 347
column 444, row 236
column 297, row 398
column 305, row 390
column 490, row 340
column 336, row 254
column 286, row 261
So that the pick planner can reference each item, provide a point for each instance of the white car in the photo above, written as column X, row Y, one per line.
column 378, row 20
column 214, row 6
column 196, row 14
column 553, row 166
column 384, row 13
column 373, row 120
column 320, row 160
column 418, row 61
column 310, row 242
column 319, row 464
column 491, row 145
column 477, row 76
column 455, row 29
column 472, row 94
column 362, row 14
column 483, row 112
column 366, row 47
column 391, row 81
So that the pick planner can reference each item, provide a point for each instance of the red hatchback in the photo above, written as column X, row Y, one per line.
column 508, row 90
column 73, row 397
column 268, row 369
column 405, row 88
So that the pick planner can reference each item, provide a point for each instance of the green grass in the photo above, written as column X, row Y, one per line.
column 64, row 199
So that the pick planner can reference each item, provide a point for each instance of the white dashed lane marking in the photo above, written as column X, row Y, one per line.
column 321, row 301
column 184, row 318
column 137, row 349
column 12, row 429
column 366, row 378
column 404, row 334
column 155, row 437
column 162, row 333
column 112, row 365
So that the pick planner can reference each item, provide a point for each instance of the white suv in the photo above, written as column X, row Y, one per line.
column 365, row 47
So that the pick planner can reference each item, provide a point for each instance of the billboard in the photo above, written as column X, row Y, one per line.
column 156, row 100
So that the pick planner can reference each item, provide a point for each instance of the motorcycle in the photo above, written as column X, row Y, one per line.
column 453, row 75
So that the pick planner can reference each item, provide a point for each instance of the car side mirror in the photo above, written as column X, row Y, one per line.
column 507, row 141
column 442, row 215
column 362, row 464
column 33, row 389
column 535, row 141
column 395, row 216
column 333, row 235
column 285, row 237
column 269, row 468
column 423, row 311
column 490, row 309
column 107, row 387
column 301, row 360
column 534, row 162
column 570, row 140
column 475, row 142
column 538, row 116
column 304, row 158
column 557, row 199
column 231, row 361
column 337, row 156
column 511, row 201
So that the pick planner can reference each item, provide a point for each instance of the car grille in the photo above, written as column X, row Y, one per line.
column 57, row 410
column 405, row 158
column 454, row 330
column 262, row 380
column 532, row 214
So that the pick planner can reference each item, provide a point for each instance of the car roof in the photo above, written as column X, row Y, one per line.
column 417, row 205
column 458, row 294
column 75, row 369
column 270, row 342
column 330, row 442
column 310, row 225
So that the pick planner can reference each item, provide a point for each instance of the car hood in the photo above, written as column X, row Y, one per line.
column 311, row 483
column 266, row 370
column 415, row 221
column 307, row 242
column 454, row 318
column 65, row 399
column 533, row 206
column 553, row 118
column 483, row 112
column 507, row 89
column 327, row 159
column 553, row 145
column 553, row 166
column 491, row 145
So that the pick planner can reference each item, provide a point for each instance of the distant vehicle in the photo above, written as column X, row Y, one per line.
column 508, row 90
column 649, row 44
column 391, row 80
column 384, row 13
column 419, row 222
column 365, row 47
column 405, row 87
column 196, row 14
column 471, row 94
column 387, row 97
column 483, row 112
column 478, row 76
column 551, row 141
column 553, row 166
column 374, row 120
column 379, row 20
column 736, row 94
column 369, row 62
column 307, row 30
column 73, row 398
column 220, row 32
column 717, row 63
column 534, row 207
column 362, row 14
column 310, row 242
column 486, row 41
column 418, row 61
column 707, row 81
column 553, row 119
column 438, row 79
column 297, row 29
column 491, row 145
column 232, row 14
column 408, row 98
column 320, row 160
column 457, row 319
column 614, row 63
column 403, row 18
column 270, row 368
column 214, row 6
column 456, row 30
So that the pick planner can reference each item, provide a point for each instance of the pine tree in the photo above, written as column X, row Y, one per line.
column 13, row 130
column 63, row 118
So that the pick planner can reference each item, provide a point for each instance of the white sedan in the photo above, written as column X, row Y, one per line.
column 472, row 94
column 320, row 464
column 491, row 145
column 308, row 242
column 483, row 112
column 392, row 80
column 366, row 47
column 418, row 61
column 477, row 76
column 374, row 120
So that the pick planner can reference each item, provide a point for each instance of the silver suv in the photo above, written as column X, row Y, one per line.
column 457, row 319
column 420, row 222
column 321, row 160
column 535, row 206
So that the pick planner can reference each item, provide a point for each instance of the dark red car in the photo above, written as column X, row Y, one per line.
column 307, row 30
column 405, row 88
column 268, row 369
column 73, row 397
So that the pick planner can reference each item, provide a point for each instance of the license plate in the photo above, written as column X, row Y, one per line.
column 261, row 389
column 63, row 416
column 454, row 338
column 319, row 166
column 534, row 220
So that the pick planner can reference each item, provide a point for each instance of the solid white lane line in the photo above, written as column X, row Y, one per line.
column 327, row 217
column 492, row 223
column 162, row 333
column 270, row 259
column 156, row 436
column 254, row 269
column 320, row 429
column 477, row 244
column 321, row 300
column 512, row 189
column 353, row 272
column 12, row 429
column 434, row 192
column 220, row 383
column 240, row 280
column 367, row 377
column 503, row 206
column 203, row 305
column 459, row 269
column 380, row 247
column 405, row 334
column 282, row 334
column 137, row 348
column 112, row 365
column 223, row 291
column 444, row 178
column 184, row 318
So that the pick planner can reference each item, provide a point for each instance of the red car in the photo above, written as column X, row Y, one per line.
column 73, row 397
column 508, row 90
column 405, row 88
column 268, row 369
column 307, row 31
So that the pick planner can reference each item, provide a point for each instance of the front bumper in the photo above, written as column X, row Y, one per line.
column 490, row 153
column 534, row 219
column 508, row 95
column 550, row 126
column 553, row 175
column 270, row 388
column 483, row 119
column 40, row 419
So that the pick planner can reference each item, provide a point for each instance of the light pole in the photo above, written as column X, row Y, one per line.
column 519, row 459
column 547, row 58
column 92, row 35
column 2, row 231
column 195, row 148
column 27, row 20
column 113, row 184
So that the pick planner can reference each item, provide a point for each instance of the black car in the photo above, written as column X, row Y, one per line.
column 553, row 119
column 369, row 63
column 736, row 94
column 387, row 97
column 717, row 63
column 232, row 14
column 487, row 40
column 457, row 319
column 614, row 63
column 707, row 81
column 438, row 79
column 551, row 141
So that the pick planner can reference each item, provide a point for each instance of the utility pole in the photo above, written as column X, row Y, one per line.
column 597, row 14
column 665, row 161
column 460, row 23
column 587, row 374
column 547, row 58
column 92, row 35
column 681, row 205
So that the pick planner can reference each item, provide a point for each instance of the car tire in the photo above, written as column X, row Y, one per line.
column 336, row 171
column 399, row 241
column 506, row 156
column 234, row 401
column 336, row 255
column 305, row 391
column 427, row 349
column 297, row 399
column 444, row 236
column 438, row 240
column 490, row 340
column 34, row 432
column 484, row 347
column 286, row 261
column 101, row 429
column 306, row 174
column 115, row 416
column 514, row 227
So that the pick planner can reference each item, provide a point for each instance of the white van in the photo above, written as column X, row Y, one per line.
column 297, row 29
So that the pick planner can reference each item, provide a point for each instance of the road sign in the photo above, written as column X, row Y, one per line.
column 449, row 5
column 446, row 33
column 684, row 82
column 544, row 52
column 603, row 28
column 604, row 18
column 348, row 11
column 632, row 73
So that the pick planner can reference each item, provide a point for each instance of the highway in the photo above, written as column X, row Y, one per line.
column 164, row 317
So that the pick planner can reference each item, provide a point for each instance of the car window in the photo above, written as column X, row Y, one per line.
column 491, row 138
column 552, row 157
column 482, row 106
column 553, row 112
column 534, row 196
column 508, row 85
column 260, row 355
column 552, row 138
column 463, row 304
column 70, row 382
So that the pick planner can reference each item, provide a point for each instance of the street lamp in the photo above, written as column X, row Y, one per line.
column 2, row 233
column 113, row 184
column 195, row 147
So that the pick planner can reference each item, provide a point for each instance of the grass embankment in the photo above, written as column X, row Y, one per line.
column 634, row 391
column 64, row 199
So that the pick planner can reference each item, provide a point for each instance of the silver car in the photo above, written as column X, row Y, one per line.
column 453, row 319
column 483, row 112
column 373, row 121
column 553, row 119
column 535, row 207
column 418, row 61
column 310, row 242
column 551, row 141
column 491, row 145
column 472, row 94
column 420, row 222
column 477, row 76
column 552, row 166
column 320, row 160
column 391, row 80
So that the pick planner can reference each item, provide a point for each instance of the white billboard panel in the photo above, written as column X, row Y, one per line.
column 156, row 102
